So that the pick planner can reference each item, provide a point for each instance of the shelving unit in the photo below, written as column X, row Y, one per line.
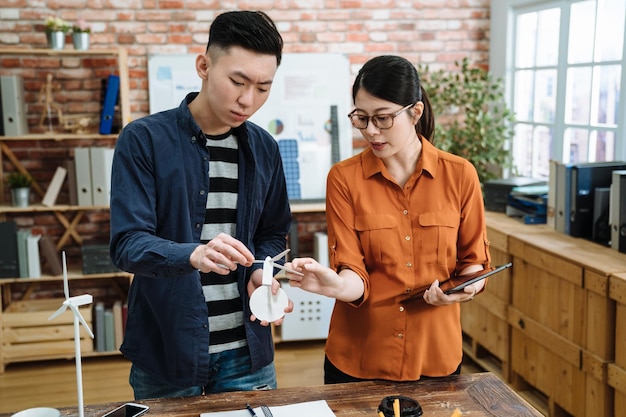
column 25, row 334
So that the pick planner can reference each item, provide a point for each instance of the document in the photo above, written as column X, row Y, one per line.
column 311, row 408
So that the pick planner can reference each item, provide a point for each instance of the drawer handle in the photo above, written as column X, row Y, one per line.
column 521, row 323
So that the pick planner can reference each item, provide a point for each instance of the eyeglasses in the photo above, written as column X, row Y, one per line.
column 381, row 121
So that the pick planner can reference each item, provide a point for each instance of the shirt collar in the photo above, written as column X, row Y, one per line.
column 428, row 162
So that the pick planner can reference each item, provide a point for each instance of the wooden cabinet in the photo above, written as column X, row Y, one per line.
column 25, row 333
column 564, row 331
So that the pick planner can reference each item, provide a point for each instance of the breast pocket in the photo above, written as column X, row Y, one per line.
column 439, row 236
column 378, row 234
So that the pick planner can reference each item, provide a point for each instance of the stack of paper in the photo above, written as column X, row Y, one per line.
column 312, row 408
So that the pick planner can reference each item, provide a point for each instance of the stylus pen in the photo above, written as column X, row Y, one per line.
column 250, row 410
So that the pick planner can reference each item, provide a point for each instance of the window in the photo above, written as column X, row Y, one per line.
column 563, row 63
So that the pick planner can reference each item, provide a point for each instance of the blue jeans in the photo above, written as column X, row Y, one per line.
column 229, row 371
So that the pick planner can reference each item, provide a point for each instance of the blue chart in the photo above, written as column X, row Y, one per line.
column 289, row 154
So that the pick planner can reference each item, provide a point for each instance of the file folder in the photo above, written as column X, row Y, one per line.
column 101, row 163
column 108, row 106
column 82, row 163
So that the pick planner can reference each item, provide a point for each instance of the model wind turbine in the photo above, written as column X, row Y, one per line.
column 73, row 303
column 264, row 305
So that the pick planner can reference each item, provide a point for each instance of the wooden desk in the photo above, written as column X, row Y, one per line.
column 480, row 394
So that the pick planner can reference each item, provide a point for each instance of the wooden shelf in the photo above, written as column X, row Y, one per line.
column 46, row 340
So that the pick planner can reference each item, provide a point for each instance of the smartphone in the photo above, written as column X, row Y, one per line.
column 472, row 278
column 128, row 410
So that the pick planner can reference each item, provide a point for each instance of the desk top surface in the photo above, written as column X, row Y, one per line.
column 480, row 394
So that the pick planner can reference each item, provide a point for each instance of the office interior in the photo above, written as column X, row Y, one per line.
column 552, row 327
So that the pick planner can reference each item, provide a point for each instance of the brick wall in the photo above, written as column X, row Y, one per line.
column 434, row 32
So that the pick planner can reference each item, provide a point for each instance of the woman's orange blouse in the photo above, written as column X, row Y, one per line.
column 398, row 240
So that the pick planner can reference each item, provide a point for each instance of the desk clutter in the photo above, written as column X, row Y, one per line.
column 585, row 200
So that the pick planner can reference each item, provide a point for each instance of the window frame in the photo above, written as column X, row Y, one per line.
column 501, row 64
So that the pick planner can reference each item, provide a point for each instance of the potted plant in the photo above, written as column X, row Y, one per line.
column 19, row 184
column 56, row 28
column 473, row 119
column 80, row 35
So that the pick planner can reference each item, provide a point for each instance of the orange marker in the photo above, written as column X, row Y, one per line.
column 396, row 407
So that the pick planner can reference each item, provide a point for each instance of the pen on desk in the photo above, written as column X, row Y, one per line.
column 250, row 410
column 381, row 414
column 457, row 413
column 396, row 407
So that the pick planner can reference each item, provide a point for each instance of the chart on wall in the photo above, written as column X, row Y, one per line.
column 305, row 112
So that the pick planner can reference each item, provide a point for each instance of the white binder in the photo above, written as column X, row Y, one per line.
column 101, row 163
column 12, row 105
column 82, row 162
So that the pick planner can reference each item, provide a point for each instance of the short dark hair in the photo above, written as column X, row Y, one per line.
column 252, row 30
column 395, row 79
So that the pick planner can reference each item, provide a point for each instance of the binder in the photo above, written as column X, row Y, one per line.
column 109, row 330
column 601, row 229
column 617, row 210
column 108, row 106
column 100, row 330
column 13, row 110
column 101, row 163
column 82, row 162
column 50, row 198
column 8, row 250
column 562, row 202
column 34, row 263
column 551, row 203
column 50, row 254
column 22, row 252
column 585, row 178
column 118, row 323
column 70, row 166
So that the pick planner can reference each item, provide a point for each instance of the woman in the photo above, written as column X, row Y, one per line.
column 402, row 217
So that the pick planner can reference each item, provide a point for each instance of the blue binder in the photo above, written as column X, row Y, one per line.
column 108, row 106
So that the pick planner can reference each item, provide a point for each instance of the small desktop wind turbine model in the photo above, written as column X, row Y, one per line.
column 264, row 305
column 73, row 303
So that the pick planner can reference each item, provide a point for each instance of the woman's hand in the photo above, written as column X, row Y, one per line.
column 435, row 296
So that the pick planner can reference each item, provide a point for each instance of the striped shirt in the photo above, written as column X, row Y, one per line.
column 220, row 291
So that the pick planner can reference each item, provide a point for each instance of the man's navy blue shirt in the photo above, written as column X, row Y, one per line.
column 159, row 189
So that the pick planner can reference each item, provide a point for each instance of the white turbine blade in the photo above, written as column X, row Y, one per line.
column 268, row 271
column 284, row 268
column 280, row 255
column 81, row 319
column 66, row 287
column 58, row 312
column 81, row 300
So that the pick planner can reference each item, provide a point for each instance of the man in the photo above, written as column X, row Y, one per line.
column 197, row 194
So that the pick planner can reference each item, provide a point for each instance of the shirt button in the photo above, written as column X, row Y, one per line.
column 401, row 309
column 405, row 212
column 409, row 264
column 408, row 290
column 407, row 238
column 202, row 192
column 400, row 336
column 198, row 225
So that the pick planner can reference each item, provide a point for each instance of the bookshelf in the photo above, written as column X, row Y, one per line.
column 26, row 303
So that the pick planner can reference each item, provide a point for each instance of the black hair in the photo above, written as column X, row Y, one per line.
column 395, row 79
column 251, row 30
